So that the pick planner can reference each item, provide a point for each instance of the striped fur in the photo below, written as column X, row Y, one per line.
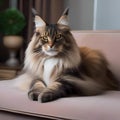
column 60, row 68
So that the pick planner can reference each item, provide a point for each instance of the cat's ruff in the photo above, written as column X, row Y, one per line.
column 51, row 66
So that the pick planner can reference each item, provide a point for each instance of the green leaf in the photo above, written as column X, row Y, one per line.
column 12, row 22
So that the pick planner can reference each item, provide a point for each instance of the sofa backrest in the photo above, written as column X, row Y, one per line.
column 108, row 42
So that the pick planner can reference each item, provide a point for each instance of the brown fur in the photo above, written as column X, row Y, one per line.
column 95, row 65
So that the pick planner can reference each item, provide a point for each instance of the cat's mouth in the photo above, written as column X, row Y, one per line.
column 51, row 52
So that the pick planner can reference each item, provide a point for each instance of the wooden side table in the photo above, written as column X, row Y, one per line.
column 7, row 72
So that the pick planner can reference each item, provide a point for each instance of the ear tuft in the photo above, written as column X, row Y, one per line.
column 64, row 18
column 34, row 12
column 66, row 11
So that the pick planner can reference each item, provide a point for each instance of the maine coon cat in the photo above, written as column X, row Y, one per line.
column 60, row 68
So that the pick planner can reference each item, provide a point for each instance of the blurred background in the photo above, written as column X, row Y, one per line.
column 49, row 10
column 84, row 15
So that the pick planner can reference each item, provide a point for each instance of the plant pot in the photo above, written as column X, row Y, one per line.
column 13, row 43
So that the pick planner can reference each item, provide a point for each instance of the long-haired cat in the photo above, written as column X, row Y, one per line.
column 60, row 68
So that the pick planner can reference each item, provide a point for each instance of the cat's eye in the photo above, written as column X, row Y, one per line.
column 58, row 37
column 44, row 39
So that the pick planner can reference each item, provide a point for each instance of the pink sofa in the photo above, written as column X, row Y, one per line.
column 15, row 105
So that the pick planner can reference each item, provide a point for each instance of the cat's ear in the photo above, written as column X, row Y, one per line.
column 64, row 18
column 38, row 20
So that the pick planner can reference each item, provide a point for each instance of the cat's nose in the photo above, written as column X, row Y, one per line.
column 51, row 45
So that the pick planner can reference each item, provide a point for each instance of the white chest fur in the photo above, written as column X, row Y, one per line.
column 49, row 66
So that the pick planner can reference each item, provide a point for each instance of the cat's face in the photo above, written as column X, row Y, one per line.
column 52, row 39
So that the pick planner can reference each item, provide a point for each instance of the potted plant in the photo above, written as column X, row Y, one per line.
column 12, row 22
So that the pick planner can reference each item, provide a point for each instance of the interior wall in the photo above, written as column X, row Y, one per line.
column 13, row 3
column 94, row 14
column 81, row 14
column 108, row 14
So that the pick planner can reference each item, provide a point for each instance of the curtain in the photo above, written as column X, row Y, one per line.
column 49, row 10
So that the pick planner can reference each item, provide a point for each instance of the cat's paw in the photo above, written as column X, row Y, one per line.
column 47, row 96
column 33, row 95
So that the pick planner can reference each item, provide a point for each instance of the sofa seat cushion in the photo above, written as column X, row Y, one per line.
column 101, row 107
